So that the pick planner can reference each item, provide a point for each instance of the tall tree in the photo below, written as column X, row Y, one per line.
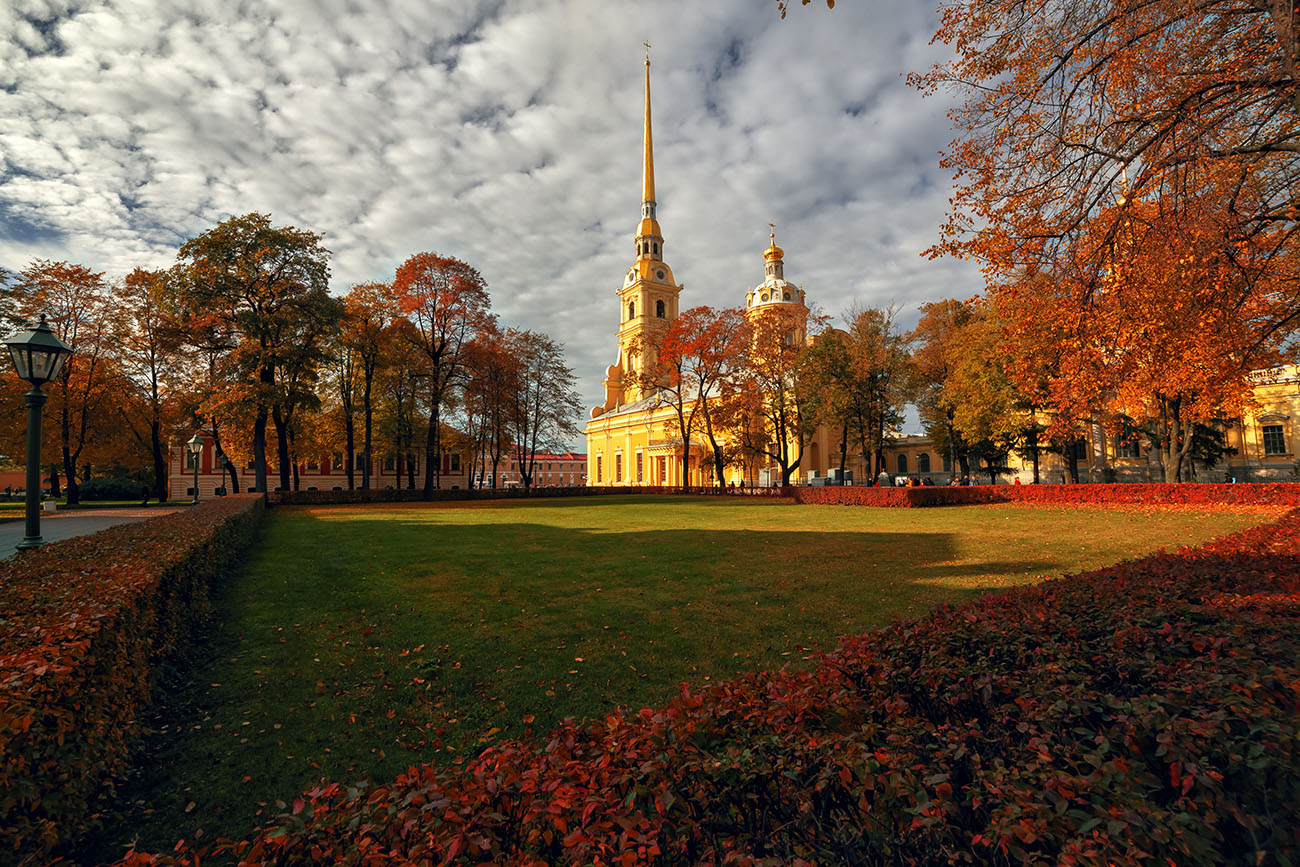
column 369, row 308
column 698, row 362
column 446, row 301
column 489, row 396
column 1182, row 313
column 934, row 343
column 76, row 301
column 771, row 414
column 148, row 347
column 545, row 406
column 266, row 285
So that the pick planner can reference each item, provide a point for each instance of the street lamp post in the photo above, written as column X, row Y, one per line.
column 38, row 356
column 195, row 445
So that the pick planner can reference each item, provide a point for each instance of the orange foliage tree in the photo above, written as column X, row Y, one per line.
column 1183, row 311
column 1185, row 113
column 77, row 303
column 266, row 288
column 447, row 303
column 148, row 349
column 1067, row 103
column 698, row 359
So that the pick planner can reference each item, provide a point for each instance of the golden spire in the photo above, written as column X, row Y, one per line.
column 648, row 168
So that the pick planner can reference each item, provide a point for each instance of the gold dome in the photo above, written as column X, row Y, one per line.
column 773, row 253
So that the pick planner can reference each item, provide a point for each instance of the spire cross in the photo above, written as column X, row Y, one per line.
column 647, row 51
column 772, row 226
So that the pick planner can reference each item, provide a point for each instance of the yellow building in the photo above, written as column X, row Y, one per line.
column 629, row 436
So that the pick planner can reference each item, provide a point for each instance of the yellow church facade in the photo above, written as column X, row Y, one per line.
column 632, row 436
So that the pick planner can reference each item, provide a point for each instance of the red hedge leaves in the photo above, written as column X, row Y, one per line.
column 83, row 623
column 1145, row 713
column 1273, row 494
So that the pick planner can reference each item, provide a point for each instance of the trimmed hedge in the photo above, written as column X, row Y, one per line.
column 1144, row 713
column 321, row 498
column 1273, row 494
column 84, row 623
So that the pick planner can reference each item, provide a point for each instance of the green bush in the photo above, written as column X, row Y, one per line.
column 111, row 489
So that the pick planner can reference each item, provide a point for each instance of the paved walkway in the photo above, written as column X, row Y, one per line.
column 76, row 522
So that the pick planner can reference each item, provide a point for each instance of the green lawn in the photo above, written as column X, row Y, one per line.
column 358, row 640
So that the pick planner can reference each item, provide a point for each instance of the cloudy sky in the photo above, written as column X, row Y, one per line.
column 504, row 132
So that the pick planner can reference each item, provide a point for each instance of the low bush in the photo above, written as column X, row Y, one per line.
column 1275, row 494
column 1144, row 713
column 84, row 623
column 110, row 489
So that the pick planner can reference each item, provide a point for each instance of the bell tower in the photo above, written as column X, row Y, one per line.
column 648, row 297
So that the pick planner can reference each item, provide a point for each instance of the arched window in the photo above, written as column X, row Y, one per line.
column 631, row 310
column 923, row 462
column 659, row 309
column 787, row 296
column 656, row 249
column 947, row 463
column 902, row 463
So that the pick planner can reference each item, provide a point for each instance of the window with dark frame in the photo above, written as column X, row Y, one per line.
column 1274, row 437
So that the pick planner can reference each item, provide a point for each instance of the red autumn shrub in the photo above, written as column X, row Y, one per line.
column 1275, row 494
column 83, row 624
column 1144, row 713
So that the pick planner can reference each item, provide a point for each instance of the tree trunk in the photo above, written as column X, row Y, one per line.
column 351, row 458
column 1033, row 450
column 227, row 465
column 431, row 452
column 159, row 461
column 69, row 463
column 54, row 480
column 259, row 449
column 1072, row 461
column 281, row 446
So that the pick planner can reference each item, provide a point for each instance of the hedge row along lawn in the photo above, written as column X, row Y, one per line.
column 84, row 625
column 362, row 640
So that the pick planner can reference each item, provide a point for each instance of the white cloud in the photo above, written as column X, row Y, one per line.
column 507, row 133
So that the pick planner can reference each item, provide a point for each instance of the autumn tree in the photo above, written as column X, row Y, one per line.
column 148, row 349
column 934, row 342
column 76, row 302
column 544, row 404
column 368, row 313
column 446, row 302
column 490, row 392
column 1183, row 312
column 1066, row 106
column 267, row 286
column 398, row 374
column 698, row 363
column 771, row 413
column 866, row 385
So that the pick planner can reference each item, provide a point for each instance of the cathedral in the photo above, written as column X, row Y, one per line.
column 631, row 436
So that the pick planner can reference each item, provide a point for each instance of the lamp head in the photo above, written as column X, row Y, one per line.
column 38, row 354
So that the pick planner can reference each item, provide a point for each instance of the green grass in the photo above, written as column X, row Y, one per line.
column 357, row 641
